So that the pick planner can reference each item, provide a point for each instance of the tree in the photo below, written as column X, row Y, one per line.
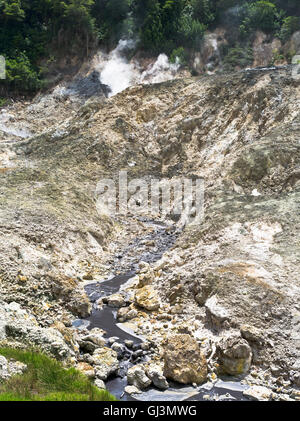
column 12, row 9
column 191, row 29
column 260, row 15
column 20, row 75
column 152, row 30
column 290, row 25
column 204, row 11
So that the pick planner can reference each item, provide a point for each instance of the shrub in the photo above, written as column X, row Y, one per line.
column 290, row 25
column 204, row 11
column 179, row 55
column 191, row 29
column 21, row 77
column 238, row 57
column 152, row 29
column 261, row 15
column 3, row 102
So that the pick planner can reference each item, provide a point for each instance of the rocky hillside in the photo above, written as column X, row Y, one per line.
column 228, row 289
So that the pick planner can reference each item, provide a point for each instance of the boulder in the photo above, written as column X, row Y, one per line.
column 116, row 300
column 137, row 377
column 147, row 298
column 215, row 313
column 119, row 348
column 183, row 360
column 235, row 355
column 155, row 373
column 17, row 325
column 87, row 346
column 79, row 304
column 258, row 393
column 100, row 384
column 252, row 334
column 10, row 368
column 129, row 343
column 91, row 342
column 86, row 369
column 106, row 362
column 132, row 390
column 126, row 313
column 96, row 339
column 112, row 340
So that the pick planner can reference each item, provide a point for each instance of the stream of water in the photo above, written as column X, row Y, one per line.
column 106, row 318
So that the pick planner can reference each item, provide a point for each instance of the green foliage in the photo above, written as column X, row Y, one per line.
column 290, row 55
column 112, row 19
column 20, row 75
column 3, row 102
column 152, row 28
column 12, row 10
column 291, row 7
column 204, row 11
column 168, row 24
column 237, row 57
column 47, row 380
column 260, row 15
column 290, row 25
column 33, row 30
column 29, row 28
column 277, row 57
column 179, row 55
column 192, row 30
column 12, row 397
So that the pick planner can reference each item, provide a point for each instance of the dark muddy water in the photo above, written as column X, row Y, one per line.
column 106, row 319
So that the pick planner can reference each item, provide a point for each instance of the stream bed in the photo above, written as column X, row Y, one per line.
column 105, row 318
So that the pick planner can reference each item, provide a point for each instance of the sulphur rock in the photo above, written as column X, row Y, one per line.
column 147, row 298
column 252, row 334
column 96, row 338
column 136, row 376
column 100, row 384
column 126, row 313
column 132, row 390
column 215, row 312
column 235, row 355
column 10, row 368
column 86, row 369
column 183, row 360
column 258, row 393
column 155, row 373
column 17, row 324
column 106, row 362
column 116, row 300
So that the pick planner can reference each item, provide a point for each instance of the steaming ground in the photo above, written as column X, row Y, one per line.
column 227, row 291
column 118, row 73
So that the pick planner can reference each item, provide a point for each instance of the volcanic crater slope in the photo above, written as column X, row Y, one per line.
column 231, row 283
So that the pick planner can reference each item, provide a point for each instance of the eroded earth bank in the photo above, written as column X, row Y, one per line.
column 219, row 300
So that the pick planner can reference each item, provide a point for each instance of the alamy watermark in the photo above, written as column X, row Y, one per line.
column 180, row 198
column 2, row 68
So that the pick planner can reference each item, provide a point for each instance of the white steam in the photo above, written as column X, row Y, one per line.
column 118, row 73
column 9, row 127
column 161, row 71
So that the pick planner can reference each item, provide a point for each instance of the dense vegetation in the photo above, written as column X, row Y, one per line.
column 47, row 380
column 34, row 32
